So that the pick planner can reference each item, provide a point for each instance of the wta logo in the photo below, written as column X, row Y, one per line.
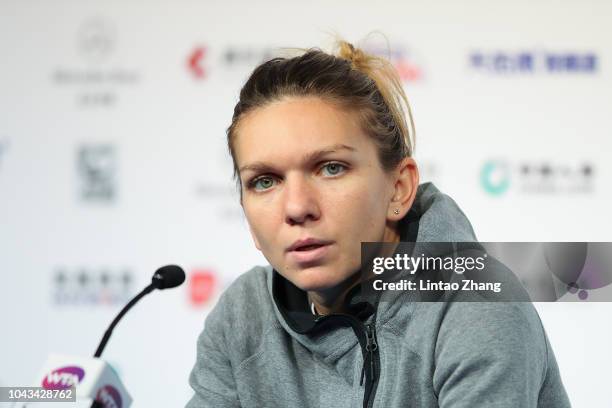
column 109, row 397
column 63, row 378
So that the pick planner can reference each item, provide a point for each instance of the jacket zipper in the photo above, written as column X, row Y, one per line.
column 366, row 334
column 370, row 349
column 372, row 361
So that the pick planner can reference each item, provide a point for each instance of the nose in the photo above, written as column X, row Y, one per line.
column 300, row 200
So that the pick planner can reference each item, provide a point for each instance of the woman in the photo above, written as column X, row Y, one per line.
column 322, row 147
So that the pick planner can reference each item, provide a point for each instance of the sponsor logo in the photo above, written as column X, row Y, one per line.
column 109, row 397
column 406, row 61
column 84, row 286
column 97, row 173
column 63, row 378
column 249, row 56
column 499, row 176
column 533, row 62
column 202, row 286
column 229, row 59
column 195, row 63
column 495, row 177
column 96, row 39
column 98, row 83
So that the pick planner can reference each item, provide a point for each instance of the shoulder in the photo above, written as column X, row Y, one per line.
column 502, row 324
column 243, row 313
column 495, row 353
column 247, row 299
column 230, row 336
column 500, row 340
column 250, row 287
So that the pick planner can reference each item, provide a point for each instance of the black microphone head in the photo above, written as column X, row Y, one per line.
column 169, row 276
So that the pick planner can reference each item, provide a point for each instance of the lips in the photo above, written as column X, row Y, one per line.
column 307, row 244
column 307, row 247
column 308, row 252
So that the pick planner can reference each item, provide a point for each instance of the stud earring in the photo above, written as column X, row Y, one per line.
column 396, row 211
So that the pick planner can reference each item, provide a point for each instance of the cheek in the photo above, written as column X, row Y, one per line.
column 261, row 222
column 360, row 209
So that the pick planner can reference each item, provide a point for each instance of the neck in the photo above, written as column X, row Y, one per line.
column 332, row 300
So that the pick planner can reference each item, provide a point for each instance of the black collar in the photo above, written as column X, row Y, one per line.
column 292, row 302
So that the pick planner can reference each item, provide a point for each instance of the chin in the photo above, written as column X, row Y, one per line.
column 312, row 278
column 318, row 278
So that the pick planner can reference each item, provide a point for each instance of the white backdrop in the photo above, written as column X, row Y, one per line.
column 113, row 159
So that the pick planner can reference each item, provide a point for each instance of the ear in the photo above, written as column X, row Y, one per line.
column 406, row 183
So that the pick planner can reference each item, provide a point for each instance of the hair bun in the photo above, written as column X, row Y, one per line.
column 384, row 75
column 348, row 52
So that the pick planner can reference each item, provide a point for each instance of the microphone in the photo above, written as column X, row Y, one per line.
column 93, row 378
column 169, row 276
column 166, row 277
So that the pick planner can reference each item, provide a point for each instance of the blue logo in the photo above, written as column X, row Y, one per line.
column 530, row 62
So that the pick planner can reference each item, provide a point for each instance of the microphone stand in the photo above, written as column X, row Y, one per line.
column 109, row 331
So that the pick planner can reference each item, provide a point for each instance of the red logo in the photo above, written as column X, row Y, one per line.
column 195, row 62
column 63, row 378
column 408, row 71
column 202, row 284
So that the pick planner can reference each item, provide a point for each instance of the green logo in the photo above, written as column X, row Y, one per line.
column 495, row 177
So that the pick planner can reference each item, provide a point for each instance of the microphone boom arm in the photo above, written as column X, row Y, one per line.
column 123, row 311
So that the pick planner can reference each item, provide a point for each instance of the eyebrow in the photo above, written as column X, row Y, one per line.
column 308, row 157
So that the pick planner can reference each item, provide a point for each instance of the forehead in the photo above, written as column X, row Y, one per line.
column 292, row 127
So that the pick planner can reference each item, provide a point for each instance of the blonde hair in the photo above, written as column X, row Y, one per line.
column 389, row 85
column 361, row 82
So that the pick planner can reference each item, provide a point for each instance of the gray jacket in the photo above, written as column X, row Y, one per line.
column 261, row 346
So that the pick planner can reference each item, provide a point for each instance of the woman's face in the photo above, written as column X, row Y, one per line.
column 312, row 189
